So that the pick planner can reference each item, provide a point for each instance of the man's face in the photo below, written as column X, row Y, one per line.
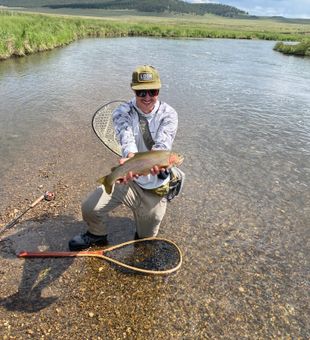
column 147, row 101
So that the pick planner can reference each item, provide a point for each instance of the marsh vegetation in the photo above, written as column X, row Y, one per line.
column 26, row 33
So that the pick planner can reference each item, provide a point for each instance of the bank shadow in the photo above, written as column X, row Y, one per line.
column 46, row 234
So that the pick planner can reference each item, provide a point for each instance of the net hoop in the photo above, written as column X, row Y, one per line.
column 102, row 125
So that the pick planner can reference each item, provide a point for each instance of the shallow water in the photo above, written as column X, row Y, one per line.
column 243, row 220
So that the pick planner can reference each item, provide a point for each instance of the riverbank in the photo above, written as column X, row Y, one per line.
column 24, row 33
column 300, row 49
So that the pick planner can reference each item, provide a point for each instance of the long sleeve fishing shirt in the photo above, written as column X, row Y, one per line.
column 163, row 124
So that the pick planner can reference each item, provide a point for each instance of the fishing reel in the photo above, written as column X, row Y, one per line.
column 49, row 196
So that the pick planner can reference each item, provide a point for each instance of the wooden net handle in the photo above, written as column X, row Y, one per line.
column 100, row 254
column 59, row 253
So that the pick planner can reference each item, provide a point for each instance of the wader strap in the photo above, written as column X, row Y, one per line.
column 145, row 130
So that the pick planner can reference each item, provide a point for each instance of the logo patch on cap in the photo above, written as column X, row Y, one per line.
column 145, row 77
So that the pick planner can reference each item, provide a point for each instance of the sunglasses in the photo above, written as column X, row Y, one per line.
column 142, row 93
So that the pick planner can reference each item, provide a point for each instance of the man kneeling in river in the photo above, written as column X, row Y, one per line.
column 144, row 195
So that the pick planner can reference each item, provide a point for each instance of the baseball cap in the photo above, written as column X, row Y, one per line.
column 145, row 77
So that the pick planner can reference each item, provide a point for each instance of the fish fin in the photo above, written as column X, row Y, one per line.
column 104, row 182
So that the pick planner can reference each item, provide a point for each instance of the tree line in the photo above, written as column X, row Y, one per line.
column 158, row 6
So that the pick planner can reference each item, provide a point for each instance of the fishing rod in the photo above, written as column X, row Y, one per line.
column 48, row 196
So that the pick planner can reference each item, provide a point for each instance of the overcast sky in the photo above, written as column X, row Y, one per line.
column 285, row 8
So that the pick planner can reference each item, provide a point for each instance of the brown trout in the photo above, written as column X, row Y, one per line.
column 141, row 164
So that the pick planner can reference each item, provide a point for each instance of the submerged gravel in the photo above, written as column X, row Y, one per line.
column 229, row 286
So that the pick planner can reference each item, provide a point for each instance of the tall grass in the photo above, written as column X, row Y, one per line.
column 22, row 34
column 301, row 49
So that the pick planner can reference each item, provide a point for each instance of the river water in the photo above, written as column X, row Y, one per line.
column 244, row 129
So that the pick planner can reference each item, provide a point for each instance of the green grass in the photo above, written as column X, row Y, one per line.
column 301, row 49
column 25, row 33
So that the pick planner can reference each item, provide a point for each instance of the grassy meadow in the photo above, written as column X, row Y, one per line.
column 23, row 33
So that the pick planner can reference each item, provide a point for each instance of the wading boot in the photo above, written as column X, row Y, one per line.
column 86, row 240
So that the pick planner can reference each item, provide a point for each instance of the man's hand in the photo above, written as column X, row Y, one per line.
column 156, row 170
column 129, row 176
column 123, row 160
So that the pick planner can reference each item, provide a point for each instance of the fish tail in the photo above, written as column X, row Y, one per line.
column 107, row 185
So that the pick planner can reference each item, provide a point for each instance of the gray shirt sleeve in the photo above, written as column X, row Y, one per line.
column 123, row 125
column 167, row 129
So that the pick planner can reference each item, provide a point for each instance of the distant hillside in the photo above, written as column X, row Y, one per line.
column 158, row 6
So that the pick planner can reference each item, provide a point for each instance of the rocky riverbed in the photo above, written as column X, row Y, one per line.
column 228, row 286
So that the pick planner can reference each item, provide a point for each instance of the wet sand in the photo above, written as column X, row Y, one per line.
column 226, row 288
